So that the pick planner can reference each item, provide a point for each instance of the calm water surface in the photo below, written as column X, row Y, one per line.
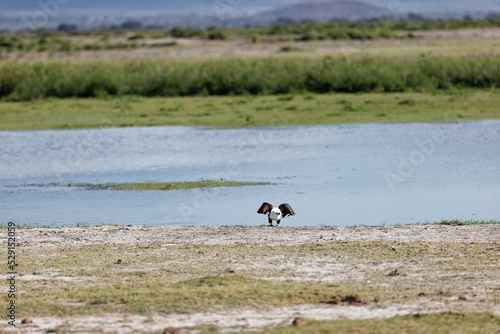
column 331, row 175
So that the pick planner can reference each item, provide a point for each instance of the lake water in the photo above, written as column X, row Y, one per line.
column 341, row 175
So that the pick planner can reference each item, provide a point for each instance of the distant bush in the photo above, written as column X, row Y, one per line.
column 369, row 29
column 187, row 32
column 131, row 25
column 290, row 48
column 218, row 34
column 67, row 27
column 136, row 36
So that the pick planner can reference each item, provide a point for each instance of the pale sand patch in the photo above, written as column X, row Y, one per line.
column 476, row 33
column 46, row 238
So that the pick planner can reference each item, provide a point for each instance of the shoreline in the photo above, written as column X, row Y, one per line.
column 255, row 234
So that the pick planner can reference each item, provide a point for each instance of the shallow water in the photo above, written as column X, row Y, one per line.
column 331, row 175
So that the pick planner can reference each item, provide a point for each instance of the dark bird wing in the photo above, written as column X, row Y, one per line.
column 286, row 210
column 265, row 208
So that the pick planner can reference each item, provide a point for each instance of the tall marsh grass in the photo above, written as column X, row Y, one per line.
column 38, row 79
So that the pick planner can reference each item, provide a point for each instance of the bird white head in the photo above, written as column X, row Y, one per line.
column 275, row 214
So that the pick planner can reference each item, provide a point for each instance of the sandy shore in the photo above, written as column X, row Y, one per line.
column 448, row 250
column 261, row 235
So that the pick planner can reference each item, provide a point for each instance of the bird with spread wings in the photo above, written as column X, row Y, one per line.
column 276, row 214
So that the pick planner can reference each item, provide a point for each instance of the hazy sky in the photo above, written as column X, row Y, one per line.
column 206, row 7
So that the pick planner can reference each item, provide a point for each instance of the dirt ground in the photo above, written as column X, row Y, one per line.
column 195, row 48
column 477, row 290
column 44, row 238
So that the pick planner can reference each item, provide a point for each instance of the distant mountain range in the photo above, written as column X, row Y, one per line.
column 210, row 7
column 88, row 14
column 322, row 11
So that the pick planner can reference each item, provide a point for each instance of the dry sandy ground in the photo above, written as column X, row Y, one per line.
column 232, row 320
column 187, row 48
column 260, row 235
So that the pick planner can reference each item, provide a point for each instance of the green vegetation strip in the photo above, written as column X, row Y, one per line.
column 457, row 222
column 24, row 81
column 170, row 185
column 243, row 111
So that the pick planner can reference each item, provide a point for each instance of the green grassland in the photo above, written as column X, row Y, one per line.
column 248, row 110
column 465, row 47
column 363, row 79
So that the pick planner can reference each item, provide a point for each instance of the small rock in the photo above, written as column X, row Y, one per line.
column 393, row 248
column 119, row 261
column 397, row 272
column 353, row 299
column 230, row 270
column 27, row 321
column 421, row 294
column 299, row 321
column 350, row 299
column 170, row 330
column 462, row 297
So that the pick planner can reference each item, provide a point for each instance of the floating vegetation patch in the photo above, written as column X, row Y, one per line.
column 169, row 185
